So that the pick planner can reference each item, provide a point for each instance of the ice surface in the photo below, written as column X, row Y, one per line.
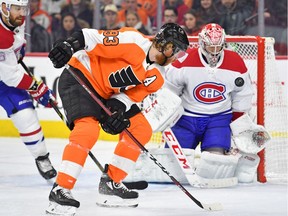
column 24, row 193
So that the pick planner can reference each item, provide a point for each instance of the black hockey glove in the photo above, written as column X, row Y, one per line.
column 117, row 122
column 61, row 53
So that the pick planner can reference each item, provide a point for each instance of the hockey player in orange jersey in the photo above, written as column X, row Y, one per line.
column 122, row 67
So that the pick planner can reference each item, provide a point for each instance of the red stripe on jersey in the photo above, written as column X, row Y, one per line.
column 7, row 37
column 25, row 83
column 233, row 62
column 236, row 115
column 192, row 60
column 31, row 133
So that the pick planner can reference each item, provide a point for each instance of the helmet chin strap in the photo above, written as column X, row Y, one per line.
column 7, row 17
column 165, row 60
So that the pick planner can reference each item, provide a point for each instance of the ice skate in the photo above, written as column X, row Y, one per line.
column 61, row 202
column 112, row 194
column 45, row 167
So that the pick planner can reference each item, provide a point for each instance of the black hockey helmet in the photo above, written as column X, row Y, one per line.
column 172, row 33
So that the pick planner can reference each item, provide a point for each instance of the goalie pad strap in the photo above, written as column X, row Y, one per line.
column 246, row 167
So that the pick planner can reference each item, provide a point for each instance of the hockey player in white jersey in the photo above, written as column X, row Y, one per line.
column 216, row 89
column 15, row 84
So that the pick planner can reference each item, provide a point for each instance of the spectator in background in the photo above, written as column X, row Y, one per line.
column 207, row 11
column 132, row 5
column 275, row 18
column 40, row 16
column 40, row 38
column 53, row 8
column 111, row 18
column 192, row 23
column 69, row 25
column 133, row 20
column 231, row 15
column 150, row 6
column 82, row 10
column 180, row 7
column 170, row 15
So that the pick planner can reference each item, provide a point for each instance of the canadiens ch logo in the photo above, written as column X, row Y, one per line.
column 209, row 93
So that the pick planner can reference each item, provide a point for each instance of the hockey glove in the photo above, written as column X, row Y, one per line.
column 61, row 53
column 41, row 93
column 115, row 123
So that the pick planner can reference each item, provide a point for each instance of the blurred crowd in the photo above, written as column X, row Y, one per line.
column 52, row 20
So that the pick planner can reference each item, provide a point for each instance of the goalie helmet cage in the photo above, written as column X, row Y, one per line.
column 269, row 102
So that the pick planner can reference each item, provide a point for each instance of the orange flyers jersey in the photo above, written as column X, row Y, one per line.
column 114, row 61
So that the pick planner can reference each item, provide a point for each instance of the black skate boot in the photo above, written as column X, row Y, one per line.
column 61, row 202
column 45, row 167
column 112, row 194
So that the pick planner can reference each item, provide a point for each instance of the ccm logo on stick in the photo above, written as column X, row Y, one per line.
column 170, row 137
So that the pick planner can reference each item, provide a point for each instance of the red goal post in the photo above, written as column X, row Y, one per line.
column 269, row 102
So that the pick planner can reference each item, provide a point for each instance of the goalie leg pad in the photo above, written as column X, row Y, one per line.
column 145, row 168
column 215, row 166
column 246, row 167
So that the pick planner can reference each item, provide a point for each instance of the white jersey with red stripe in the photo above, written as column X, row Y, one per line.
column 11, row 42
column 207, row 91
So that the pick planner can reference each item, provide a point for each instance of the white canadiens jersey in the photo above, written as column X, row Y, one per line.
column 207, row 91
column 11, row 43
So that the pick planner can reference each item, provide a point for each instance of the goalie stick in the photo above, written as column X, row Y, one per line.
column 138, row 185
column 209, row 207
column 192, row 177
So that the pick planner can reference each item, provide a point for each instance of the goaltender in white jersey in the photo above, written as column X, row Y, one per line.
column 215, row 87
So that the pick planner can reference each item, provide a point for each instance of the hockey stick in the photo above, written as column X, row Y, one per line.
column 209, row 207
column 192, row 177
column 138, row 185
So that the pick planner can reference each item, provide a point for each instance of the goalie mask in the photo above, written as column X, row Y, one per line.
column 171, row 33
column 211, row 42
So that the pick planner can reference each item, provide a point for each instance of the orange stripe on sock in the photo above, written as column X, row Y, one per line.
column 82, row 138
column 116, row 174
column 65, row 180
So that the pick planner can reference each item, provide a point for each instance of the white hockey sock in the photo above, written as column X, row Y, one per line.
column 27, row 123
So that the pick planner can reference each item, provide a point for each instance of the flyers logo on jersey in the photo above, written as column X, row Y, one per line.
column 123, row 79
column 209, row 93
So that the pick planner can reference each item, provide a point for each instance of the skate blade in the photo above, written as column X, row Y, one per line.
column 60, row 210
column 115, row 202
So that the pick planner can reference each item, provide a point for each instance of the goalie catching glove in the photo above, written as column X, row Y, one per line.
column 41, row 93
column 248, row 136
column 116, row 122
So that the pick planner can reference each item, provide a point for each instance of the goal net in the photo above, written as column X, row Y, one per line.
column 269, row 102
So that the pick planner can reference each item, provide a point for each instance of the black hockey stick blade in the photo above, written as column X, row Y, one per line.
column 137, row 185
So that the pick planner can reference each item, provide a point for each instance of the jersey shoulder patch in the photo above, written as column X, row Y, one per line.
column 6, row 37
column 192, row 59
column 233, row 62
